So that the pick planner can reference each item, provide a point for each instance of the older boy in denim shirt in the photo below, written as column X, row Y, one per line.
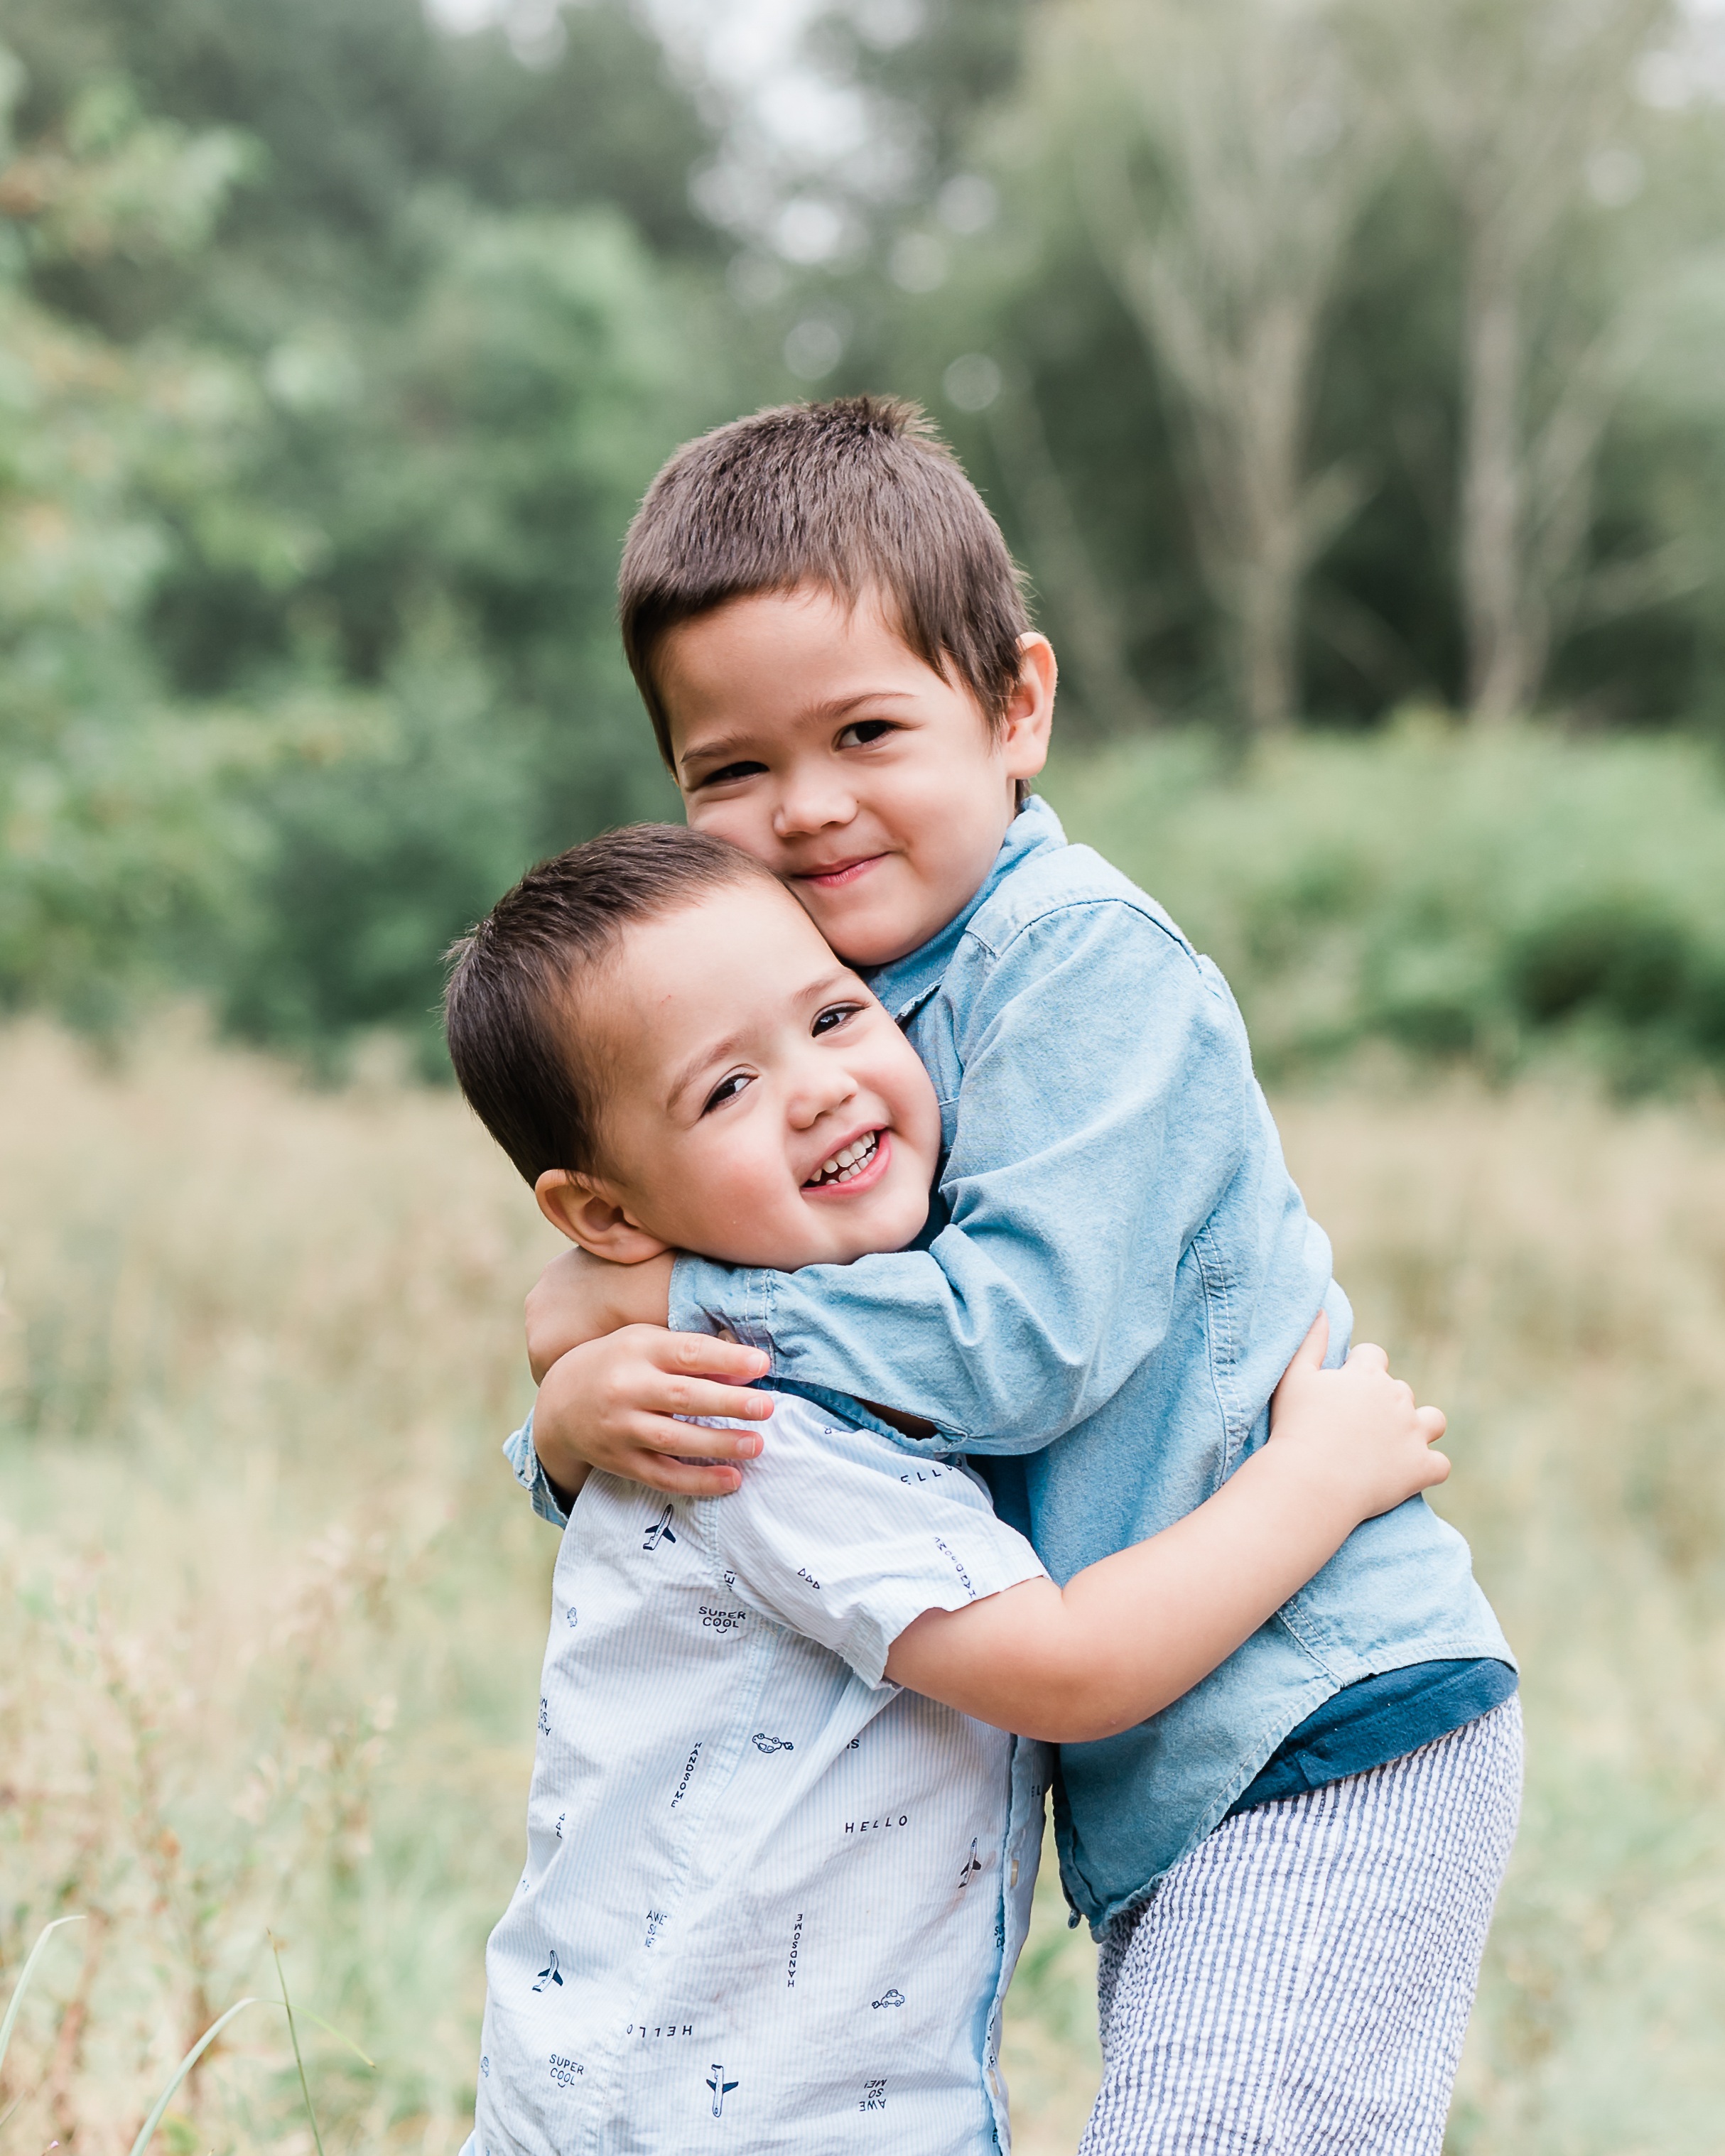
column 1291, row 1870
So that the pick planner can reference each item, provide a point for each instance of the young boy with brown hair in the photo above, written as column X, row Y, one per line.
column 780, row 1847
column 1291, row 1868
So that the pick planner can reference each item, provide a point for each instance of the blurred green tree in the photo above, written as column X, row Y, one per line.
column 441, row 300
column 109, row 795
column 1220, row 350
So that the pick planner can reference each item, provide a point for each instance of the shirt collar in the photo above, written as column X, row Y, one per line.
column 904, row 983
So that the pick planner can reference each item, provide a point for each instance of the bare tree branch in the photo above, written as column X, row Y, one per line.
column 1231, row 148
column 1513, row 95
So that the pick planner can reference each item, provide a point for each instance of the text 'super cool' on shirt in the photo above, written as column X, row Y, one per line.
column 772, row 1902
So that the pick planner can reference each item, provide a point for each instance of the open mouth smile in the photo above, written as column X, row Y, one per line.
column 863, row 1161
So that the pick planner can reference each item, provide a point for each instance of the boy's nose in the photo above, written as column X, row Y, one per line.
column 812, row 804
column 822, row 1093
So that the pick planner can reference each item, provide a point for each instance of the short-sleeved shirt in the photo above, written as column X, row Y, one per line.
column 771, row 1902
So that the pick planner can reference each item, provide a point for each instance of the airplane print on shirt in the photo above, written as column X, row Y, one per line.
column 972, row 1864
column 672, row 1877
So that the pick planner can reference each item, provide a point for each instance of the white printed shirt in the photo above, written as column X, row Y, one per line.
column 771, row 1902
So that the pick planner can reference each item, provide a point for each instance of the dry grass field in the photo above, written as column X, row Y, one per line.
column 271, row 1611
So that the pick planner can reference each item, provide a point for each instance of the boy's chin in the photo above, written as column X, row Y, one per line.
column 868, row 934
column 841, row 1242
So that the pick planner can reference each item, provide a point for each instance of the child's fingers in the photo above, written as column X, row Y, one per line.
column 679, row 1477
column 659, row 1394
column 1314, row 1348
column 1368, row 1355
column 1308, row 1361
column 660, row 1432
column 1438, row 1466
column 701, row 1354
column 1433, row 1423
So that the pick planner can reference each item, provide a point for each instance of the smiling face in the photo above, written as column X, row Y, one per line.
column 808, row 733
column 760, row 1107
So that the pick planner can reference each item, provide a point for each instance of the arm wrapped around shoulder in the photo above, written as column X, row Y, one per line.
column 1107, row 1101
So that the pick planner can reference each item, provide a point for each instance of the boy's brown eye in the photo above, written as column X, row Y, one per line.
column 728, row 773
column 834, row 1014
column 864, row 731
column 727, row 1088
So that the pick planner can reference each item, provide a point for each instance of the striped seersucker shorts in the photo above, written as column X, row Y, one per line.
column 1299, row 1984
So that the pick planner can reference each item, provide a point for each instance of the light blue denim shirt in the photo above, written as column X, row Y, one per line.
column 1117, row 1269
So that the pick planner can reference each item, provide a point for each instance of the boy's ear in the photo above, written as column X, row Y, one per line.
column 582, row 1209
column 1029, row 711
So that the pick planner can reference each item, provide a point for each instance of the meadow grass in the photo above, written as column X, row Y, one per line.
column 271, row 1609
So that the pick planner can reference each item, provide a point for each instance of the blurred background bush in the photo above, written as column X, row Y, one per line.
column 1346, row 374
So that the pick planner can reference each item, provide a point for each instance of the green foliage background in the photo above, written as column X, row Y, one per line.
column 336, row 350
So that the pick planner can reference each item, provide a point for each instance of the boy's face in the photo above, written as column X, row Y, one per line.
column 761, row 1107
column 809, row 734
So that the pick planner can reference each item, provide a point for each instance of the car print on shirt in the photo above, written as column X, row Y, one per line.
column 763, row 1742
column 720, row 2087
column 551, row 1973
column 893, row 1997
column 660, row 1530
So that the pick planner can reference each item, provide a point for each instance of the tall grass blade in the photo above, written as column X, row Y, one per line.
column 18, row 1995
column 293, row 2039
column 146, row 2132
column 330, row 2029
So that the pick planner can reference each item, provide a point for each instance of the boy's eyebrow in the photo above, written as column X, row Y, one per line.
column 723, row 747
column 703, row 1059
column 719, row 1051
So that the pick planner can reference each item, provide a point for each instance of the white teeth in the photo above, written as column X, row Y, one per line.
column 846, row 1165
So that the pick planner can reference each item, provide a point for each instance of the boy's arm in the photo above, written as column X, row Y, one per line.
column 1126, row 1637
column 1054, row 1276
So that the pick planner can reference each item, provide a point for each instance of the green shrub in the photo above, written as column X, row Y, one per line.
column 1460, row 895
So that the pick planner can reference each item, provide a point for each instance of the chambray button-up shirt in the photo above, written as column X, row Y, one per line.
column 1117, row 1269
column 772, row 1902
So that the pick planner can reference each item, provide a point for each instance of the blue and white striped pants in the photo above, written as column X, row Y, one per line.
column 1299, row 1984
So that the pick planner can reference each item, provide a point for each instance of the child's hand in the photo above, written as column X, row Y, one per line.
column 610, row 1404
column 578, row 1298
column 1357, row 1427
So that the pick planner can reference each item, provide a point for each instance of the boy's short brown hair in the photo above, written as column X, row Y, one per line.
column 858, row 493
column 514, row 1009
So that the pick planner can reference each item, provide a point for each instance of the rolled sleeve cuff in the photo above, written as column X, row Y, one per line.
column 707, row 1297
column 872, row 1636
column 524, row 1463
